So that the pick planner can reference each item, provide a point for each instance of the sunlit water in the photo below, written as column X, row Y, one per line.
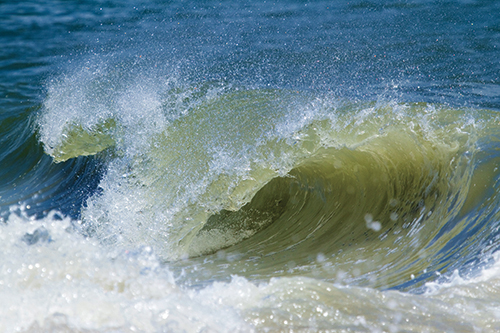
column 250, row 167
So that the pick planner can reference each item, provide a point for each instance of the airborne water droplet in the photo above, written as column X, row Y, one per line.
column 370, row 224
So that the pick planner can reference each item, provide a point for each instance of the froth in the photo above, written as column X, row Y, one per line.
column 67, row 282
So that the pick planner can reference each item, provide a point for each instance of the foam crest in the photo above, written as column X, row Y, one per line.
column 100, row 106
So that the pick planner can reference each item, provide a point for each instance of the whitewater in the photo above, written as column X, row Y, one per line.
column 249, row 167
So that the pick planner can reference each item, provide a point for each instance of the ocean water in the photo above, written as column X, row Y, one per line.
column 286, row 166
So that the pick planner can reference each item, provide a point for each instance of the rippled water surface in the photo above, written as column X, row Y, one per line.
column 250, row 166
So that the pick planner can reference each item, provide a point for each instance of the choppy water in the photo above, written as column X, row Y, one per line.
column 222, row 167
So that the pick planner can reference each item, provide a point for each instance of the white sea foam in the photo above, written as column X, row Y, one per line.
column 63, row 281
column 69, row 282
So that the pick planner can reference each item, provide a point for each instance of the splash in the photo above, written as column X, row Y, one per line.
column 196, row 170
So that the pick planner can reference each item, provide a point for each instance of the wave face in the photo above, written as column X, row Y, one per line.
column 249, row 167
column 376, row 191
